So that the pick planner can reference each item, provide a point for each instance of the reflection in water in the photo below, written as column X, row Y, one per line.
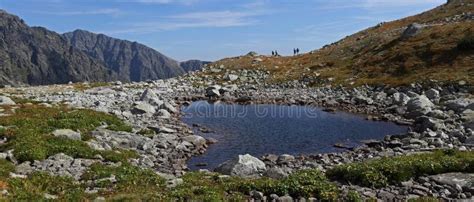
column 277, row 129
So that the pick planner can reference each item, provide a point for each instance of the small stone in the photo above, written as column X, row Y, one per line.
column 50, row 196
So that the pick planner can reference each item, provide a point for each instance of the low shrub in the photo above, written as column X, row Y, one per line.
column 385, row 171
column 466, row 44
column 5, row 168
column 305, row 183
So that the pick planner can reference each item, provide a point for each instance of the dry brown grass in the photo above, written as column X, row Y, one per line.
column 379, row 55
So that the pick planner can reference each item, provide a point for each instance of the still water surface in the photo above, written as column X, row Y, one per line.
column 277, row 129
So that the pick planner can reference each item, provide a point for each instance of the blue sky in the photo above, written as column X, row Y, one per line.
column 214, row 29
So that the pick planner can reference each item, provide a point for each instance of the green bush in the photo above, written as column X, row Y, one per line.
column 5, row 168
column 305, row 183
column 385, row 171
column 467, row 43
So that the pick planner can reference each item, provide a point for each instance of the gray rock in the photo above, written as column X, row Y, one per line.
column 256, row 195
column 245, row 166
column 232, row 77
column 285, row 159
column 412, row 30
column 149, row 96
column 276, row 173
column 67, row 133
column 433, row 95
column 453, row 179
column 197, row 141
column 4, row 100
column 419, row 106
column 169, row 107
column 143, row 108
column 213, row 91
column 400, row 98
column 285, row 199
column 458, row 105
column 363, row 100
column 423, row 123
column 163, row 113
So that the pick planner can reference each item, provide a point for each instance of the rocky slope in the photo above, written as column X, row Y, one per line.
column 193, row 65
column 441, row 117
column 426, row 46
column 130, row 60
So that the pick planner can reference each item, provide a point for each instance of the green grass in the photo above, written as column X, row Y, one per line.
column 129, row 178
column 209, row 187
column 37, row 184
column 385, row 171
column 30, row 127
column 5, row 168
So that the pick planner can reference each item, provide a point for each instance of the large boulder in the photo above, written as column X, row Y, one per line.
column 433, row 95
column 197, row 141
column 400, row 98
column 419, row 106
column 463, row 180
column 245, row 166
column 213, row 91
column 143, row 108
column 412, row 30
column 423, row 123
column 459, row 105
column 150, row 96
column 4, row 100
column 232, row 77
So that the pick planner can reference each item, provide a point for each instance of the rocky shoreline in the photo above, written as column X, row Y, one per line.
column 440, row 117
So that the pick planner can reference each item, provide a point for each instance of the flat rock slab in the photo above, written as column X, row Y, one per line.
column 67, row 133
column 453, row 179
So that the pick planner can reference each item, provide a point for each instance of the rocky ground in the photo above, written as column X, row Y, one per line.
column 441, row 116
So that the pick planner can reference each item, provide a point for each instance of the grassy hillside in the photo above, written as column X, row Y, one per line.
column 442, row 50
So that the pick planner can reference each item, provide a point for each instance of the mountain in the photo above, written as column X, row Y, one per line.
column 130, row 60
column 436, row 44
column 193, row 65
column 35, row 55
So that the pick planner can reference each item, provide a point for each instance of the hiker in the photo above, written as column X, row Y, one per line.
column 297, row 51
column 294, row 52
column 276, row 53
column 273, row 53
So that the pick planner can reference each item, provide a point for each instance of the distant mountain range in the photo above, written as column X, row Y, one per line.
column 37, row 56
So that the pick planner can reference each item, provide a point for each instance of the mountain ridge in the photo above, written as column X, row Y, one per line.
column 34, row 55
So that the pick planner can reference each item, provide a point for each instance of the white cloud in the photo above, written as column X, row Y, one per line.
column 105, row 11
column 375, row 4
column 185, row 2
column 399, row 3
column 211, row 19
